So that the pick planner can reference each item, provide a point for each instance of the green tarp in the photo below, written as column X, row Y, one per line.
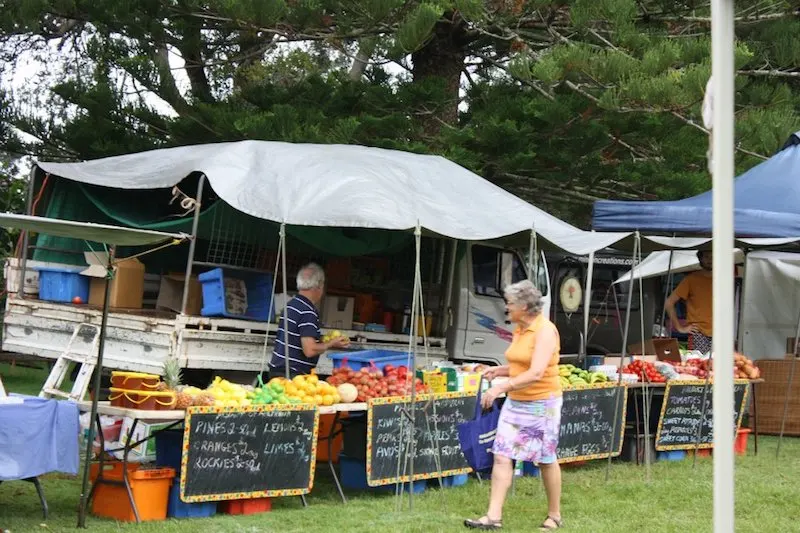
column 219, row 223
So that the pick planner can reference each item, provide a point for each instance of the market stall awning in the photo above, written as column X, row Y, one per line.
column 340, row 186
column 766, row 200
column 103, row 233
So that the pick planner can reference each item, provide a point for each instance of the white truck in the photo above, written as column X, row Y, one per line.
column 471, row 325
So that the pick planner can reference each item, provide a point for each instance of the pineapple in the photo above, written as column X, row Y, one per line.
column 172, row 380
column 204, row 399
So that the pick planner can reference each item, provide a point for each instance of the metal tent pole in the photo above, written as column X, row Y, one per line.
column 282, row 248
column 96, row 396
column 667, row 291
column 587, row 303
column 624, row 351
column 723, row 73
column 789, row 388
column 414, row 331
column 23, row 261
column 192, row 243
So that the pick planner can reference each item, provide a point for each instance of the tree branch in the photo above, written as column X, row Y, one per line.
column 771, row 73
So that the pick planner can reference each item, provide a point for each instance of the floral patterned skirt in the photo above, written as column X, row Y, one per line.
column 528, row 431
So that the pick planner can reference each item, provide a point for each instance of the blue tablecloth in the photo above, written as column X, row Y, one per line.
column 38, row 436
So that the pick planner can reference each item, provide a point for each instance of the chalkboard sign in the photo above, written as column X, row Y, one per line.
column 681, row 413
column 436, row 437
column 232, row 453
column 587, row 416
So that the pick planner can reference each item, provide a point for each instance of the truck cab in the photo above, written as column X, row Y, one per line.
column 481, row 331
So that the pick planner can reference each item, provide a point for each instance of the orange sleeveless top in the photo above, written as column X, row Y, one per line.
column 519, row 356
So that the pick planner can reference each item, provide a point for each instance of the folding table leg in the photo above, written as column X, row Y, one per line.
column 331, row 435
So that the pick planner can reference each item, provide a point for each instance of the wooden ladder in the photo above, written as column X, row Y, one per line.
column 87, row 362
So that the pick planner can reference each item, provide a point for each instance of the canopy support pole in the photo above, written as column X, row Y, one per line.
column 723, row 73
column 192, row 244
column 23, row 260
column 667, row 290
column 282, row 254
column 795, row 352
column 587, row 303
column 414, row 332
column 448, row 294
column 624, row 351
column 98, row 371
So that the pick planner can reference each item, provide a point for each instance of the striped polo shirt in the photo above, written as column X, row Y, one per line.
column 303, row 321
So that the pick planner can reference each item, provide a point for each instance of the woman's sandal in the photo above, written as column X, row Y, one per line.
column 547, row 527
column 485, row 523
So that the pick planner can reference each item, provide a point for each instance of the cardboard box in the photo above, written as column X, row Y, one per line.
column 127, row 285
column 145, row 451
column 666, row 349
column 789, row 344
column 170, row 294
column 337, row 311
column 613, row 359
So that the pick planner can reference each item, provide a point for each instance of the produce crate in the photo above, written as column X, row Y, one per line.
column 451, row 481
column 168, row 449
column 771, row 395
column 353, row 475
column 354, row 436
column 245, row 507
column 365, row 358
column 258, row 287
column 672, row 455
column 62, row 284
column 149, row 487
column 178, row 509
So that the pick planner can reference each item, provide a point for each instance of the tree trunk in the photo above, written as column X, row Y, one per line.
column 438, row 65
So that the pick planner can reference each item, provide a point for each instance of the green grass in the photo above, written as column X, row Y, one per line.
column 675, row 498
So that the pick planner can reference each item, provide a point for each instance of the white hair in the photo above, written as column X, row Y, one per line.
column 310, row 277
column 526, row 294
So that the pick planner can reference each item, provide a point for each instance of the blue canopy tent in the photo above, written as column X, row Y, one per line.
column 766, row 200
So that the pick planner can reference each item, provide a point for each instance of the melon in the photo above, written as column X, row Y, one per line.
column 347, row 392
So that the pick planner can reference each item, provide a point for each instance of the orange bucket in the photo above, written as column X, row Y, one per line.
column 740, row 445
column 134, row 380
column 150, row 489
column 117, row 397
column 150, row 401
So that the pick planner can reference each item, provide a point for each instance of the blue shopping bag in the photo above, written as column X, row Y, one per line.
column 477, row 436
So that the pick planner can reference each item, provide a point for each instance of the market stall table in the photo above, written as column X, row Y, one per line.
column 172, row 417
column 37, row 436
column 177, row 417
column 657, row 389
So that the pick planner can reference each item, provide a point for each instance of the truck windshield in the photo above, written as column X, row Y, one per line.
column 489, row 276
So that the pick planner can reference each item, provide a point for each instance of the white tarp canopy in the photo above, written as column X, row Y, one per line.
column 341, row 186
column 771, row 303
column 659, row 264
column 114, row 235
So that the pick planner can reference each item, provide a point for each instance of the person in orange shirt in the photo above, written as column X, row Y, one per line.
column 696, row 290
column 530, row 420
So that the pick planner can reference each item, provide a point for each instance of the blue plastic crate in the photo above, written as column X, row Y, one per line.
column 671, row 455
column 452, row 481
column 178, row 509
column 259, row 294
column 353, row 475
column 169, row 444
column 530, row 469
column 364, row 358
column 62, row 284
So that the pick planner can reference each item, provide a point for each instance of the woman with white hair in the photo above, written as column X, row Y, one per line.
column 531, row 416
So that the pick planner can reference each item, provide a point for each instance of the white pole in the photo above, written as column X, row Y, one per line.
column 587, row 303
column 722, row 46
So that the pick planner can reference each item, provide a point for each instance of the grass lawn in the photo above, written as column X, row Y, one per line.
column 676, row 498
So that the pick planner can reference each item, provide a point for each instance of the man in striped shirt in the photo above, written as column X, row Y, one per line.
column 303, row 327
